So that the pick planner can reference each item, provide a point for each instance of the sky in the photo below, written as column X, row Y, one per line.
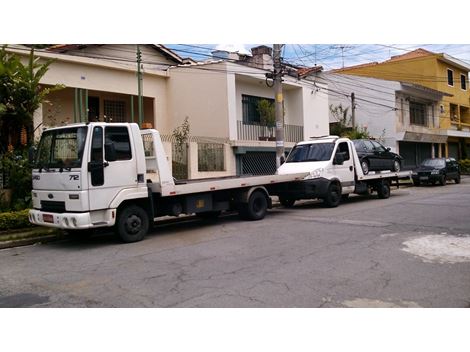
column 330, row 56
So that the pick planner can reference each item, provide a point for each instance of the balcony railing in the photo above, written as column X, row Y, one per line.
column 246, row 132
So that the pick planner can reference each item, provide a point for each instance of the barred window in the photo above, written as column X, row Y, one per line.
column 251, row 114
column 115, row 110
column 210, row 157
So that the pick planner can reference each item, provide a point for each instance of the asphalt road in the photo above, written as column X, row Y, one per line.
column 411, row 250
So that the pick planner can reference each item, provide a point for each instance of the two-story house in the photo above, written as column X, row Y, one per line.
column 403, row 116
column 440, row 72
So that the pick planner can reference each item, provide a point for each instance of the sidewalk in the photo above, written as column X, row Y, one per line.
column 27, row 236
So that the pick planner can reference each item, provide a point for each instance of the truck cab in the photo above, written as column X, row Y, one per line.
column 80, row 170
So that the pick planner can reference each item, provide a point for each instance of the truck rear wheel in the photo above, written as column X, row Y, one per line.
column 132, row 224
column 256, row 207
column 383, row 190
column 333, row 195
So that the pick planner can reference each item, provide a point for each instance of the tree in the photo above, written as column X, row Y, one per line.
column 21, row 94
column 341, row 127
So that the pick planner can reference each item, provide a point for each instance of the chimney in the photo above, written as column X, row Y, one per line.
column 262, row 57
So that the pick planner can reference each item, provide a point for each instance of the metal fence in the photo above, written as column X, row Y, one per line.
column 257, row 163
column 210, row 157
column 248, row 132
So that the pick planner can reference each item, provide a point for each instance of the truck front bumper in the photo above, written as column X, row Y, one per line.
column 306, row 189
column 73, row 221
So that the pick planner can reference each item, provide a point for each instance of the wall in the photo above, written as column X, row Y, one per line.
column 199, row 93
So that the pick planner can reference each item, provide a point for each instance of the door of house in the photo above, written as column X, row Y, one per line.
column 93, row 109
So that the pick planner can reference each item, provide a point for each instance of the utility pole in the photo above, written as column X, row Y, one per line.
column 278, row 104
column 353, row 109
column 139, row 86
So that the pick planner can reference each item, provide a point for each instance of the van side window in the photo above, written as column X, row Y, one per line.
column 119, row 137
column 343, row 147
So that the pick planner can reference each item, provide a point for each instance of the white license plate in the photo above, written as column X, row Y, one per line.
column 423, row 178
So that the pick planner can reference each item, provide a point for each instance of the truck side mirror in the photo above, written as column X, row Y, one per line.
column 338, row 159
column 110, row 151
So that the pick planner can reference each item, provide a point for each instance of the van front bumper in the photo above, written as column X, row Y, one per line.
column 306, row 189
column 73, row 221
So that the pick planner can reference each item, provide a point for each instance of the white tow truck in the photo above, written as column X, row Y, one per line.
column 334, row 171
column 93, row 175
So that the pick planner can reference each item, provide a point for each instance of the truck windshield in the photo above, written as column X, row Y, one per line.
column 61, row 148
column 311, row 152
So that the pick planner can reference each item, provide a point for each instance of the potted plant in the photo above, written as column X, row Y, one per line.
column 267, row 118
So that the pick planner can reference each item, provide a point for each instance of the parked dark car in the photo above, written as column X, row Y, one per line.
column 375, row 157
column 436, row 170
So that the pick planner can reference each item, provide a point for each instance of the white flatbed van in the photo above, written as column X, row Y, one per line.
column 334, row 171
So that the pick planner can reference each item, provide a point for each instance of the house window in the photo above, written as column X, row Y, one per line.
column 251, row 115
column 418, row 114
column 450, row 77
column 463, row 82
column 115, row 110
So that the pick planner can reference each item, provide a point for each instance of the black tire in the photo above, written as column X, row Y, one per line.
column 287, row 202
column 396, row 165
column 443, row 180
column 132, row 224
column 383, row 190
column 457, row 179
column 333, row 196
column 256, row 207
column 365, row 166
column 417, row 183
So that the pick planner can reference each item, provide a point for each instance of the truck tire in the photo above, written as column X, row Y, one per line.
column 256, row 207
column 287, row 202
column 333, row 195
column 383, row 190
column 132, row 224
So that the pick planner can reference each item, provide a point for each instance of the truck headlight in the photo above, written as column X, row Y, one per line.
column 315, row 173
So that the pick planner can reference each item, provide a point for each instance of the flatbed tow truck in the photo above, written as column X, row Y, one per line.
column 96, row 175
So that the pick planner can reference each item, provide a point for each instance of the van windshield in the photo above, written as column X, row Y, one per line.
column 311, row 152
column 61, row 148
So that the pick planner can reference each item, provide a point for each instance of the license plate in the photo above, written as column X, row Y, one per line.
column 423, row 178
column 48, row 218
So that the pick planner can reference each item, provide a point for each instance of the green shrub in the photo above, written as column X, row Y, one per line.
column 16, row 165
column 14, row 220
column 464, row 166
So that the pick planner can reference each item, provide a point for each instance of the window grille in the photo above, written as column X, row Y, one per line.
column 115, row 110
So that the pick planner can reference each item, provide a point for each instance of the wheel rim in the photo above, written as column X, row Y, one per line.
column 365, row 167
column 133, row 224
column 396, row 166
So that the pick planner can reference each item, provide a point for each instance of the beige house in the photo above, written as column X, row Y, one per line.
column 218, row 98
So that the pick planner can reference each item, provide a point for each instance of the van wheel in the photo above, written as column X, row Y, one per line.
column 256, row 207
column 365, row 166
column 383, row 190
column 286, row 202
column 333, row 196
column 132, row 224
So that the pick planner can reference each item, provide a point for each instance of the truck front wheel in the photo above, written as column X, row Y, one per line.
column 333, row 195
column 256, row 207
column 132, row 224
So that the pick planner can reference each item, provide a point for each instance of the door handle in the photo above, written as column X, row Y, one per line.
column 351, row 168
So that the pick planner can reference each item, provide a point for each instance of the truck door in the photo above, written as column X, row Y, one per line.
column 345, row 171
column 112, row 166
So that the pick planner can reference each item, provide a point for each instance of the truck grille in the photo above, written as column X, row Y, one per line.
column 53, row 206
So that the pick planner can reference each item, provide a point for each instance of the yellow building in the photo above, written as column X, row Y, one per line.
column 440, row 72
